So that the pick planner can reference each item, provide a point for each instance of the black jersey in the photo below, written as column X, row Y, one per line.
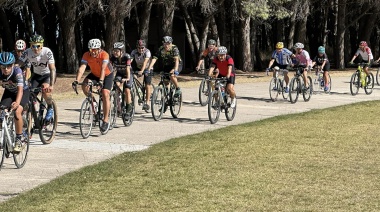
column 120, row 64
column 12, row 81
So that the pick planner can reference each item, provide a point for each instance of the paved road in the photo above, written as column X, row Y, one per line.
column 70, row 152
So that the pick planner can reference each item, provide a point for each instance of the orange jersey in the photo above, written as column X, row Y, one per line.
column 95, row 63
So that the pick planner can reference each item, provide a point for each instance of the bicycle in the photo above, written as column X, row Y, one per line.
column 297, row 86
column 319, row 80
column 220, row 100
column 120, row 104
column 140, row 90
column 360, row 80
column 91, row 112
column 37, row 111
column 277, row 85
column 164, row 96
column 8, row 138
column 205, row 88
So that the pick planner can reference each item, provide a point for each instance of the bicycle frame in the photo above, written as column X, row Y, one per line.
column 6, row 143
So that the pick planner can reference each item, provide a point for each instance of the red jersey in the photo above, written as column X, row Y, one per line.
column 223, row 65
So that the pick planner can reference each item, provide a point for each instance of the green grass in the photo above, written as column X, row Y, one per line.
column 323, row 160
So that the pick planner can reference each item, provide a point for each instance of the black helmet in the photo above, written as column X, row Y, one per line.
column 36, row 39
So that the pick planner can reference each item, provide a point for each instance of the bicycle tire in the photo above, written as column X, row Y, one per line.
column 378, row 76
column 273, row 89
column 228, row 110
column 214, row 106
column 158, row 102
column 308, row 92
column 204, row 90
column 21, row 157
column 113, row 109
column 101, row 117
column 48, row 128
column 294, row 90
column 354, row 84
column 368, row 89
column 128, row 118
column 86, row 119
column 3, row 150
column 175, row 103
column 285, row 94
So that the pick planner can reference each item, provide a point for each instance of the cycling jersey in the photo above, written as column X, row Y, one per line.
column 282, row 57
column 366, row 54
column 303, row 58
column 140, row 58
column 26, row 64
column 120, row 64
column 95, row 63
column 39, row 62
column 12, row 81
column 209, row 56
column 167, row 57
column 223, row 66
column 319, row 59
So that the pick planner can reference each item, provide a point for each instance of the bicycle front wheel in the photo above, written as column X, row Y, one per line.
column 175, row 104
column 113, row 109
column 273, row 89
column 294, row 90
column 2, row 152
column 158, row 103
column 285, row 93
column 307, row 91
column 86, row 118
column 128, row 117
column 378, row 76
column 214, row 106
column 204, row 89
column 228, row 110
column 354, row 84
column 49, row 127
column 21, row 157
column 369, row 84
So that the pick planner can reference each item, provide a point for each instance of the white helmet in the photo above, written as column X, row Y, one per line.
column 298, row 46
column 118, row 45
column 94, row 44
column 20, row 45
column 221, row 50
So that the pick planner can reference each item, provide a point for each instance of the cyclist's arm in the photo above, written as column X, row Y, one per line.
column 52, row 74
column 80, row 71
column 175, row 68
column 103, row 71
column 152, row 63
column 271, row 63
column 128, row 72
column 143, row 67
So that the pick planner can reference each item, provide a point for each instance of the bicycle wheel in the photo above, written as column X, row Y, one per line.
column 369, row 84
column 86, row 119
column 175, row 104
column 128, row 118
column 204, row 89
column 113, row 109
column 354, row 83
column 283, row 91
column 21, row 157
column 294, row 90
column 308, row 91
column 273, row 89
column 378, row 76
column 49, row 127
column 158, row 102
column 214, row 106
column 228, row 110
column 101, row 115
column 4, row 151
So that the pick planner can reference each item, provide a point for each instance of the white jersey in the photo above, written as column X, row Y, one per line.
column 140, row 58
column 39, row 62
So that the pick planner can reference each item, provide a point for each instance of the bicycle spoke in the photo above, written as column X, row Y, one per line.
column 214, row 107
column 86, row 119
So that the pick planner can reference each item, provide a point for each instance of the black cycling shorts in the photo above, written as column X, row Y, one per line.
column 107, row 83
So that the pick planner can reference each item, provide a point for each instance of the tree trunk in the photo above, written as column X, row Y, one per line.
column 168, row 15
column 339, row 44
column 367, row 25
column 246, row 44
column 292, row 29
column 301, row 25
column 37, row 18
column 7, row 40
column 144, row 23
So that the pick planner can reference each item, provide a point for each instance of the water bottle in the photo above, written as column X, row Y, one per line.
column 222, row 91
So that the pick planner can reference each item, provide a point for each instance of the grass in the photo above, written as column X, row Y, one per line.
column 322, row 160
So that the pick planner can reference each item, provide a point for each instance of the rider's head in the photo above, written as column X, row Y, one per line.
column 321, row 50
column 36, row 43
column 362, row 44
column 118, row 49
column 221, row 53
column 7, row 59
column 140, row 45
column 211, row 44
column 20, row 46
column 279, row 45
column 167, row 41
column 94, row 46
column 298, row 47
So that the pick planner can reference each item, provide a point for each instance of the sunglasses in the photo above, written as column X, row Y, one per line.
column 18, row 51
column 93, row 50
column 167, row 43
column 141, row 48
column 6, row 66
column 36, row 46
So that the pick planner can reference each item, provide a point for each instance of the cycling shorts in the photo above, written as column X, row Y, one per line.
column 8, row 98
column 37, row 80
column 129, row 83
column 230, row 80
column 107, row 83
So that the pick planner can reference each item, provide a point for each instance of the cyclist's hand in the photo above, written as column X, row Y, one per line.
column 14, row 105
column 351, row 63
column 176, row 72
column 197, row 68
column 140, row 73
column 100, row 83
column 74, row 84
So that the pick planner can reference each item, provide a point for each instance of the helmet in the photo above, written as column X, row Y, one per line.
column 20, row 45
column 94, row 44
column 140, row 43
column 221, row 50
column 299, row 46
column 167, row 39
column 279, row 45
column 211, row 42
column 363, row 43
column 118, row 45
column 7, row 58
column 36, row 39
column 321, row 49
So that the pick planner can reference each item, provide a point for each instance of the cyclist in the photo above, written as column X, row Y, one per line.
column 142, row 57
column 281, row 57
column 98, row 61
column 16, row 93
column 367, row 57
column 226, row 68
column 20, row 47
column 121, row 62
column 171, row 60
column 208, row 55
column 44, row 72
column 302, row 58
column 322, row 60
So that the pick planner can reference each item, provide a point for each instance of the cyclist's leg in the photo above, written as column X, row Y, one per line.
column 304, row 76
column 127, row 91
column 230, row 86
column 174, row 80
column 148, row 87
column 326, row 70
column 107, row 86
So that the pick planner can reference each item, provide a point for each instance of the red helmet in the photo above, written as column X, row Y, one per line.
column 363, row 43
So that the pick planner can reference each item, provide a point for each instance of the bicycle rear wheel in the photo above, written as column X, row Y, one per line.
column 354, row 84
column 307, row 92
column 21, row 157
column 158, row 102
column 204, row 89
column 294, row 90
column 214, row 106
column 86, row 119
column 49, row 127
column 228, row 110
column 369, row 86
column 378, row 76
column 175, row 104
column 3, row 151
column 283, row 91
column 128, row 118
column 273, row 89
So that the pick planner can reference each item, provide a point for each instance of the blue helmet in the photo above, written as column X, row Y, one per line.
column 321, row 49
column 7, row 58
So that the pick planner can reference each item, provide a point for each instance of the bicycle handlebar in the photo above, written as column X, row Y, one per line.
column 89, row 83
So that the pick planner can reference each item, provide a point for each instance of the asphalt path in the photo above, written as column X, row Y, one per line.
column 69, row 151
